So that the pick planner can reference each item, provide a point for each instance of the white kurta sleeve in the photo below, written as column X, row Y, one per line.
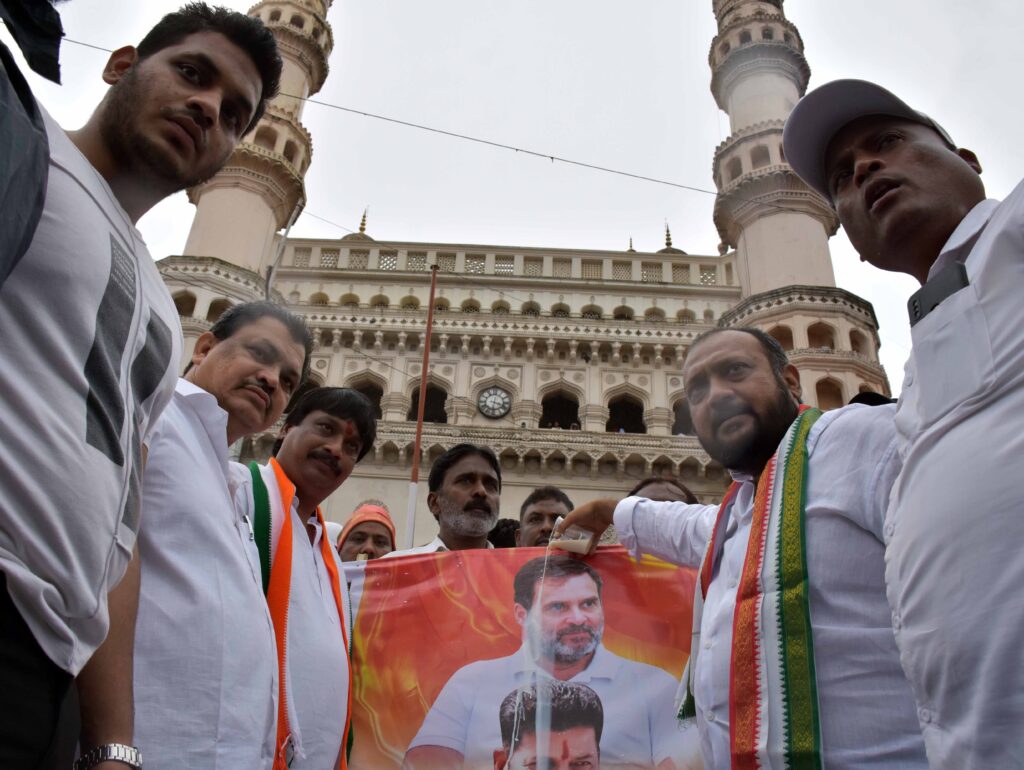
column 675, row 532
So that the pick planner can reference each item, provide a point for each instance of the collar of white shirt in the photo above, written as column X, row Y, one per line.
column 965, row 234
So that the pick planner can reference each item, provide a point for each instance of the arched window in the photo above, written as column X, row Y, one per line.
column 821, row 335
column 682, row 425
column 433, row 405
column 625, row 415
column 185, row 303
column 745, row 37
column 410, row 303
column 709, row 316
column 560, row 311
column 829, row 393
column 759, row 156
column 266, row 137
column 767, row 33
column 859, row 343
column 734, row 169
column 783, row 335
column 724, row 48
column 654, row 314
column 531, row 309
column 380, row 302
column 470, row 306
column 275, row 15
column 319, row 299
column 500, row 308
column 686, row 316
column 291, row 151
column 374, row 392
column 560, row 410
column 592, row 313
column 217, row 308
column 441, row 305
column 297, row 21
column 623, row 313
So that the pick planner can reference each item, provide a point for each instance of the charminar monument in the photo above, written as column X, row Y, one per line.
column 566, row 362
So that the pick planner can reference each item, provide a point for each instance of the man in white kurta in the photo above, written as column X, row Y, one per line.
column 914, row 202
column 205, row 676
column 866, row 708
column 327, row 432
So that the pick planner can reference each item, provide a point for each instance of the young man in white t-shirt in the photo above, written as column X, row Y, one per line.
column 91, row 342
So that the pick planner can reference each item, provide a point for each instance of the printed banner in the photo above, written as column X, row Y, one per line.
column 502, row 658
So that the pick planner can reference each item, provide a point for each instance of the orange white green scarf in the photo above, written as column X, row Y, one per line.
column 772, row 679
column 273, row 533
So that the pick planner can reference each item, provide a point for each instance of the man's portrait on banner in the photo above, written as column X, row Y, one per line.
column 559, row 609
column 575, row 719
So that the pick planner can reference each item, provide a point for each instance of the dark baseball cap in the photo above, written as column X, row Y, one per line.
column 823, row 113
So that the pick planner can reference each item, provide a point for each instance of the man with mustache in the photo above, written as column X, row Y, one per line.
column 325, row 434
column 538, row 514
column 464, row 484
column 562, row 625
column 912, row 201
column 91, row 341
column 793, row 658
column 205, row 657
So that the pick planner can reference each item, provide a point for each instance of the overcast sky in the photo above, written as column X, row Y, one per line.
column 617, row 84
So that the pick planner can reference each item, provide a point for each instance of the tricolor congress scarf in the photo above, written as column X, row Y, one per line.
column 273, row 533
column 772, row 679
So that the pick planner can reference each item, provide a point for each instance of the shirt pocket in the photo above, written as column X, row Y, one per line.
column 953, row 355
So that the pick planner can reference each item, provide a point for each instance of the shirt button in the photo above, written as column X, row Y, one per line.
column 732, row 584
column 925, row 715
column 710, row 716
column 707, row 645
column 896, row 621
column 889, row 529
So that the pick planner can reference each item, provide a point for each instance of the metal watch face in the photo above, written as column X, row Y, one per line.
column 494, row 402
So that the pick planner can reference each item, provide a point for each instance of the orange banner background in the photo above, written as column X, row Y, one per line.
column 421, row 618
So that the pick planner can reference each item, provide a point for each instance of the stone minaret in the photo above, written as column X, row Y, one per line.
column 778, row 226
column 261, row 187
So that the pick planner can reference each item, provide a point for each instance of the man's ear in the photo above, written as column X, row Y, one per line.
column 519, row 541
column 520, row 613
column 207, row 341
column 791, row 377
column 432, row 503
column 970, row 159
column 120, row 61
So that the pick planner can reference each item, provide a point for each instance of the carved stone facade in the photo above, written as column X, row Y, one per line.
column 587, row 344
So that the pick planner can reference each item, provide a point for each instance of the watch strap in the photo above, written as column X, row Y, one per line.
column 129, row 756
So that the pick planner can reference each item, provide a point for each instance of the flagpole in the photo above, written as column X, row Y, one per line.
column 410, row 511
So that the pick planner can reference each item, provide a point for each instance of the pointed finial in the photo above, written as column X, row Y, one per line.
column 668, row 236
column 631, row 244
column 362, row 224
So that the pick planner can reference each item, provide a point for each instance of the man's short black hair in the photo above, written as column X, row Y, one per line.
column 247, row 32
column 245, row 313
column 559, row 567
column 445, row 462
column 672, row 481
column 572, row 705
column 775, row 353
column 504, row 533
column 342, row 403
column 545, row 493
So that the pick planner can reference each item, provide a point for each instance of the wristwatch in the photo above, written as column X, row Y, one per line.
column 129, row 756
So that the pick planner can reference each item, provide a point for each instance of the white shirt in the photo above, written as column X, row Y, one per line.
column 434, row 546
column 89, row 340
column 865, row 704
column 317, row 667
column 955, row 559
column 639, row 720
column 205, row 655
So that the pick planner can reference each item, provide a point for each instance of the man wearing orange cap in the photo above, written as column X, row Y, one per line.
column 368, row 534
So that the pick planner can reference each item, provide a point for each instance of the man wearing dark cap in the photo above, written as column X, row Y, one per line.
column 911, row 201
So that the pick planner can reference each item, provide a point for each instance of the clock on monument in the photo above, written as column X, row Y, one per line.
column 494, row 402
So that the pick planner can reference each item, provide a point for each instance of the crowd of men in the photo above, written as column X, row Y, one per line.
column 858, row 600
